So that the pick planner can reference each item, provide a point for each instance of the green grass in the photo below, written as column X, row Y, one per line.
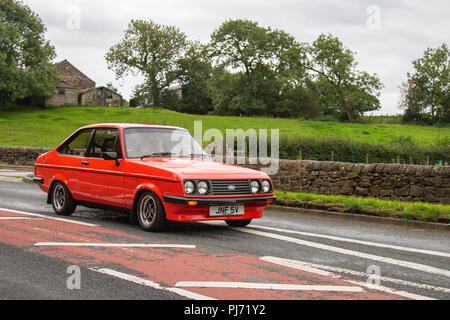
column 369, row 206
column 48, row 127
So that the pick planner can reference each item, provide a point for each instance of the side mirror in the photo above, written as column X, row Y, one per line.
column 113, row 156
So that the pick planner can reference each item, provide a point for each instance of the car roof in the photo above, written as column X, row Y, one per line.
column 130, row 125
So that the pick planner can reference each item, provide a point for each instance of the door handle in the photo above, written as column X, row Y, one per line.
column 85, row 163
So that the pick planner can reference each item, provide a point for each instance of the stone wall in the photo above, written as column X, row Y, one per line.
column 20, row 156
column 384, row 181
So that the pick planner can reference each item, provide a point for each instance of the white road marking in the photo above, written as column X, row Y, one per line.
column 392, row 291
column 266, row 286
column 113, row 245
column 151, row 284
column 19, row 218
column 318, row 269
column 401, row 263
column 50, row 218
column 368, row 243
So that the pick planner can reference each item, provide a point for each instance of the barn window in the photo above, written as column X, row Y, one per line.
column 61, row 91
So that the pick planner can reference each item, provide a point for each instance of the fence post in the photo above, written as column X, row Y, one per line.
column 398, row 159
column 300, row 156
column 428, row 160
column 367, row 158
column 332, row 155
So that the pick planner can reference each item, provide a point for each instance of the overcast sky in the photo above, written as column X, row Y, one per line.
column 387, row 35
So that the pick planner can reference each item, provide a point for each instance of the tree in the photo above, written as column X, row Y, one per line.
column 262, row 61
column 152, row 51
column 353, row 91
column 195, row 70
column 25, row 56
column 426, row 95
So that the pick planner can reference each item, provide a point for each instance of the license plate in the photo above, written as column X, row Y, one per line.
column 220, row 211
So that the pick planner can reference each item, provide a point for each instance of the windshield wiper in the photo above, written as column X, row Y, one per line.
column 196, row 155
column 158, row 155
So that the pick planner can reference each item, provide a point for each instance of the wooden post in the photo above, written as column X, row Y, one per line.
column 428, row 160
column 332, row 155
column 367, row 158
column 398, row 159
column 300, row 157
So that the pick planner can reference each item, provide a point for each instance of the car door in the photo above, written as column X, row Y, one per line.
column 101, row 181
column 70, row 157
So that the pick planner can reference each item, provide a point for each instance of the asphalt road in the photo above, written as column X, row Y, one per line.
column 279, row 257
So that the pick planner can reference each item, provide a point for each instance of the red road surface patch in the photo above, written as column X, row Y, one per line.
column 169, row 266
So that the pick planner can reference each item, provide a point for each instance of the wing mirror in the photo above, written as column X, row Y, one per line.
column 112, row 156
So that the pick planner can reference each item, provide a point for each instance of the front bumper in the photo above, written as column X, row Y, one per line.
column 198, row 209
column 38, row 180
column 218, row 201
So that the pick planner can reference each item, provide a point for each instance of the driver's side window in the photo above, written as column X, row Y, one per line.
column 77, row 145
column 104, row 140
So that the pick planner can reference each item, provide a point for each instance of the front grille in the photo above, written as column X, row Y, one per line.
column 222, row 187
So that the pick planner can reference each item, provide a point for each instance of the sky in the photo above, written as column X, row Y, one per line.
column 387, row 35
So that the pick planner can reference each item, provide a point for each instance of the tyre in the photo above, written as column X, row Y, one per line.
column 62, row 201
column 150, row 213
column 238, row 223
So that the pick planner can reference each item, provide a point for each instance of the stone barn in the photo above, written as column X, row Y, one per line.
column 76, row 88
column 65, row 95
column 100, row 96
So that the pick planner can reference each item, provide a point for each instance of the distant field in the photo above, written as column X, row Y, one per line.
column 46, row 128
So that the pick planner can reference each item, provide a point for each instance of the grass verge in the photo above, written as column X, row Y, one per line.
column 417, row 211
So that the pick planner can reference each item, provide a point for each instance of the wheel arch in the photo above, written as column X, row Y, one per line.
column 149, row 187
column 57, row 178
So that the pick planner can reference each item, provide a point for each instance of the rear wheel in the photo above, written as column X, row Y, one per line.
column 62, row 201
column 238, row 223
column 150, row 213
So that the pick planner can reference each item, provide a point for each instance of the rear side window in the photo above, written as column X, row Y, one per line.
column 105, row 140
column 77, row 145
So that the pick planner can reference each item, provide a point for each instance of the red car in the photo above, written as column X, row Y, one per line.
column 156, row 173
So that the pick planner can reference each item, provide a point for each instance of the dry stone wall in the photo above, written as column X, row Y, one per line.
column 384, row 181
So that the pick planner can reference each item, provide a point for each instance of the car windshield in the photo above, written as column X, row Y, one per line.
column 160, row 142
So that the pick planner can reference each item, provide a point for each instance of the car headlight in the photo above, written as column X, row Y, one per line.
column 189, row 187
column 266, row 186
column 255, row 186
column 203, row 187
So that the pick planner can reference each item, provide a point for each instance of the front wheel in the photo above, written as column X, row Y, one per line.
column 238, row 223
column 150, row 213
column 62, row 201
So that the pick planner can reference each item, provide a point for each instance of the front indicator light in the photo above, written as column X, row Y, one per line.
column 270, row 201
column 192, row 203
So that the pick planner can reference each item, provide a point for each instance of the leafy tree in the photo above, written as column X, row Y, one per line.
column 195, row 70
column 299, row 102
column 263, row 61
column 152, row 51
column 352, row 90
column 426, row 95
column 25, row 56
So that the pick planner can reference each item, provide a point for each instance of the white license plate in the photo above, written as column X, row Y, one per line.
column 221, row 211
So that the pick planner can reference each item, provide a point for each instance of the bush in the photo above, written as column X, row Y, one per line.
column 403, row 150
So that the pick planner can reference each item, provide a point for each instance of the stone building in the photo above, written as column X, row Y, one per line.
column 75, row 88
column 100, row 96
